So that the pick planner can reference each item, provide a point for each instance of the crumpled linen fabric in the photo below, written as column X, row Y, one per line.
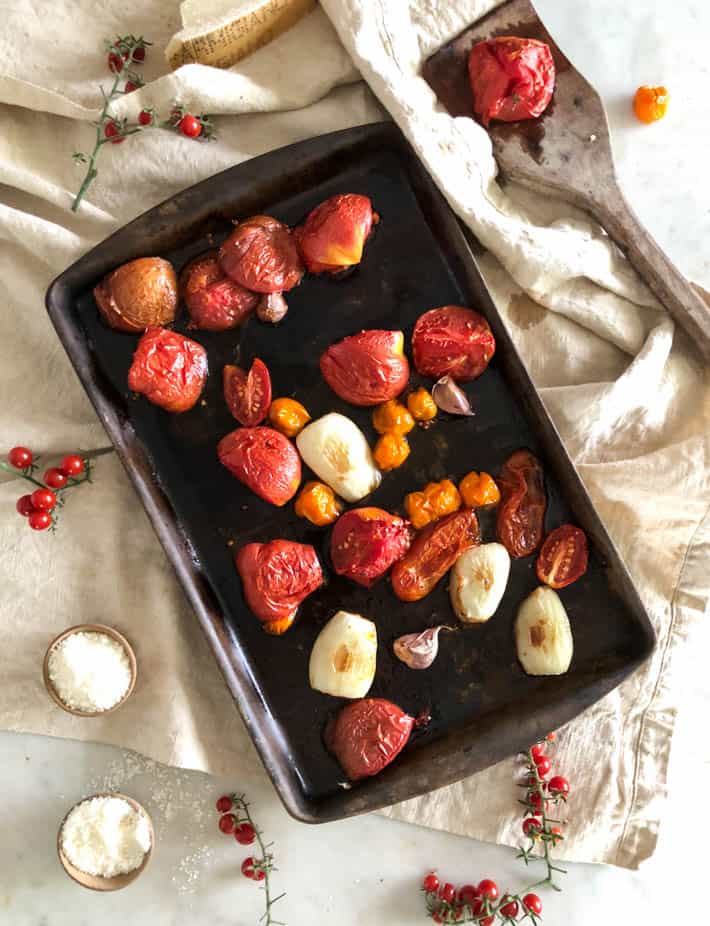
column 625, row 389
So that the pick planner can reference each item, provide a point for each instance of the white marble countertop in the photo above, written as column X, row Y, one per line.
column 367, row 870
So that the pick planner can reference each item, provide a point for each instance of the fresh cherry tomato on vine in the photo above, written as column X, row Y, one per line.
column 130, row 86
column 112, row 130
column 430, row 884
column 224, row 803
column 486, row 921
column 39, row 520
column 535, row 802
column 533, row 903
column 245, row 834
column 558, row 785
column 537, row 750
column 248, row 868
column 43, row 499
column 543, row 766
column 447, row 892
column 563, row 557
column 488, row 889
column 531, row 826
column 468, row 894
column 227, row 823
column 521, row 513
column 190, row 126
column 20, row 457
column 145, row 117
column 24, row 506
column 509, row 910
column 248, row 395
column 55, row 478
column 115, row 62
column 72, row 465
column 138, row 54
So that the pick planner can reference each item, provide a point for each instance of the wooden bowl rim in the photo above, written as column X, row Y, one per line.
column 90, row 628
column 99, row 882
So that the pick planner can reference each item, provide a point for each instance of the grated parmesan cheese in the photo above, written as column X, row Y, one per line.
column 90, row 671
column 105, row 836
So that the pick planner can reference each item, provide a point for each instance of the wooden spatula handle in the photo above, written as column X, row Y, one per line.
column 663, row 278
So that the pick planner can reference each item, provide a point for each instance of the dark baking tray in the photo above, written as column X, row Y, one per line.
column 483, row 707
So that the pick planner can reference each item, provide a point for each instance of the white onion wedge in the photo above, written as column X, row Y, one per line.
column 337, row 452
column 343, row 657
column 478, row 581
column 543, row 635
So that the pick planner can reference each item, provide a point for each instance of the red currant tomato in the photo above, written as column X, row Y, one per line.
column 24, row 506
column 543, row 766
column 430, row 884
column 533, row 903
column 248, row 867
column 20, row 457
column 531, row 826
column 145, row 117
column 447, row 892
column 111, row 131
column 72, row 465
column 39, row 520
column 138, row 54
column 224, row 803
column 43, row 499
column 55, row 478
column 115, row 63
column 558, row 785
column 488, row 889
column 468, row 894
column 190, row 126
column 245, row 834
column 227, row 823
column 509, row 910
column 537, row 750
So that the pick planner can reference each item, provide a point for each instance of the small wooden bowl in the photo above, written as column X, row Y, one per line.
column 97, row 882
column 90, row 628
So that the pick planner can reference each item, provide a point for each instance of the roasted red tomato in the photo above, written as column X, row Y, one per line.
column 248, row 395
column 367, row 368
column 521, row 512
column 215, row 302
column 367, row 735
column 334, row 233
column 433, row 553
column 511, row 78
column 264, row 460
column 168, row 369
column 277, row 577
column 138, row 295
column 261, row 255
column 563, row 557
column 366, row 541
column 454, row 341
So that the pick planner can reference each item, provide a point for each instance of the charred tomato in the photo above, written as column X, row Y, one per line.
column 511, row 78
column 563, row 557
column 248, row 395
column 215, row 302
column 521, row 512
column 264, row 460
column 261, row 255
column 452, row 341
column 433, row 553
column 367, row 735
column 168, row 369
column 367, row 368
column 138, row 295
column 277, row 577
column 365, row 542
column 334, row 234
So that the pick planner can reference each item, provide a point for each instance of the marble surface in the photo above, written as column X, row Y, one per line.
column 367, row 870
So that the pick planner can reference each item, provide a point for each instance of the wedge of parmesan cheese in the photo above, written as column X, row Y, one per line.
column 221, row 32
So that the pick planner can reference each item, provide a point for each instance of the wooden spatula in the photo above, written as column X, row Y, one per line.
column 567, row 152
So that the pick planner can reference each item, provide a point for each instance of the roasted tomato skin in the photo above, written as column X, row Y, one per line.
column 433, row 553
column 215, row 302
column 511, row 78
column 168, row 369
column 563, row 557
column 247, row 394
column 367, row 735
column 261, row 255
column 365, row 543
column 276, row 578
column 264, row 460
column 367, row 368
column 521, row 512
column 140, row 294
column 333, row 235
column 453, row 341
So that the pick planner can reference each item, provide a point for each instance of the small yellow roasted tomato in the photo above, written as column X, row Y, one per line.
column 392, row 418
column 317, row 503
column 434, row 501
column 478, row 490
column 288, row 416
column 421, row 405
column 391, row 450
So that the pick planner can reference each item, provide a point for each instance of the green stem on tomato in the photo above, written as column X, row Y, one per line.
column 24, row 473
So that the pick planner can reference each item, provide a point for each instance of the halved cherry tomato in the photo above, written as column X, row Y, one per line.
column 215, row 302
column 367, row 368
column 452, row 341
column 334, row 233
column 433, row 553
column 264, row 460
column 367, row 735
column 261, row 255
column 248, row 395
column 563, row 557
column 521, row 513
column 366, row 541
column 277, row 577
column 168, row 369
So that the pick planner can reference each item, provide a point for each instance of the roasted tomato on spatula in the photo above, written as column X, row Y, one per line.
column 367, row 368
column 334, row 234
column 511, row 78
column 247, row 394
column 264, row 460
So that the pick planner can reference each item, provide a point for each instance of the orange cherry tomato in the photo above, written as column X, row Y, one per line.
column 563, row 557
column 434, row 501
column 288, row 416
column 391, row 450
column 317, row 503
column 421, row 405
column 392, row 418
column 650, row 103
column 479, row 489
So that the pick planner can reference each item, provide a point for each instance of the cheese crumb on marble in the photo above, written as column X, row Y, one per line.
column 105, row 836
column 90, row 671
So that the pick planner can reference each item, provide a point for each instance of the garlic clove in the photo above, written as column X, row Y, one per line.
column 344, row 656
column 543, row 635
column 419, row 650
column 478, row 582
column 450, row 397
column 338, row 453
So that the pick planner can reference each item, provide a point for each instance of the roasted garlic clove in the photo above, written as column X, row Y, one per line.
column 344, row 656
column 419, row 650
column 478, row 581
column 543, row 635
column 337, row 452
